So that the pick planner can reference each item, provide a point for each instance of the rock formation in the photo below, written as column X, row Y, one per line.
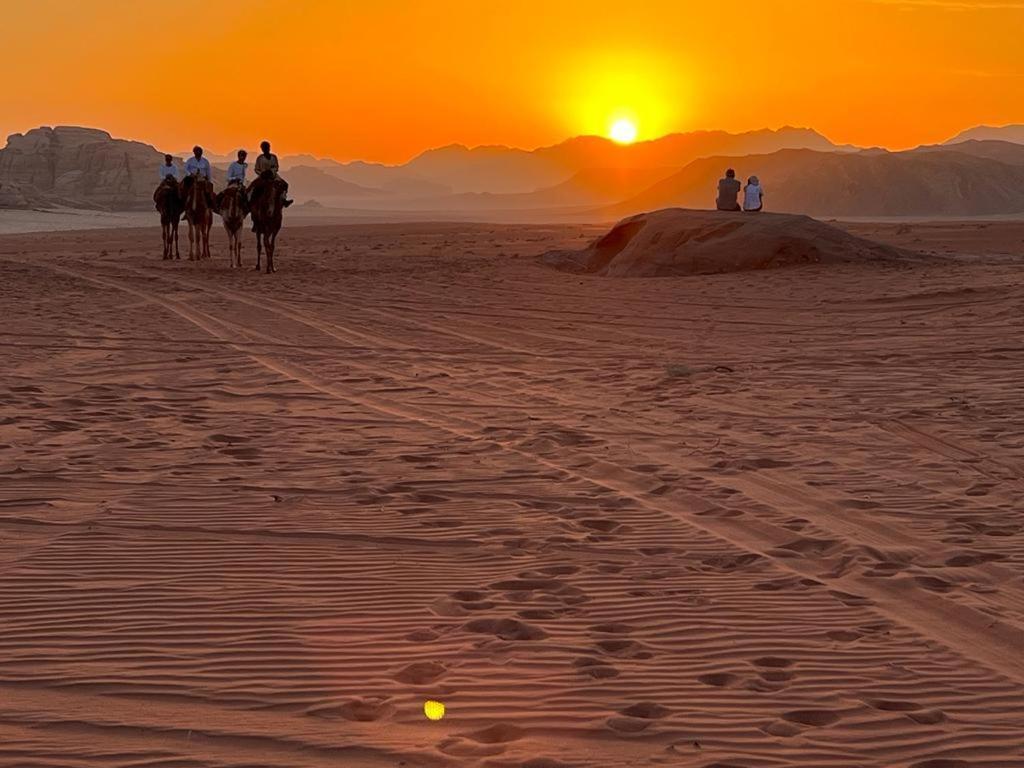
column 675, row 241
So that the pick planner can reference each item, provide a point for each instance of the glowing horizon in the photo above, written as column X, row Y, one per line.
column 385, row 81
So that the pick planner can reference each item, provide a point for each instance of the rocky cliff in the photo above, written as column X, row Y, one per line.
column 79, row 167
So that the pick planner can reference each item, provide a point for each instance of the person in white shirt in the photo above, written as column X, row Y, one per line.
column 236, row 171
column 236, row 176
column 198, row 168
column 168, row 170
column 753, row 195
column 267, row 161
column 197, row 165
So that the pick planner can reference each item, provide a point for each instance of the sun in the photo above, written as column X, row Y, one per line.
column 623, row 131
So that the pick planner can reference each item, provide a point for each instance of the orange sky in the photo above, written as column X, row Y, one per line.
column 383, row 80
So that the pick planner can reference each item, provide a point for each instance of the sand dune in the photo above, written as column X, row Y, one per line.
column 681, row 242
column 755, row 519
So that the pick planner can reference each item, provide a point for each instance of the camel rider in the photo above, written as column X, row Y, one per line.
column 268, row 162
column 198, row 167
column 236, row 177
column 168, row 175
column 168, row 170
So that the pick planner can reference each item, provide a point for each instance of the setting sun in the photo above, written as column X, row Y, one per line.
column 623, row 131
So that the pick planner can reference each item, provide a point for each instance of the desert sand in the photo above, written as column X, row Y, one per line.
column 769, row 518
column 679, row 242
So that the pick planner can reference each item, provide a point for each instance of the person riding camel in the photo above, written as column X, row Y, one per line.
column 198, row 167
column 168, row 175
column 236, row 177
column 268, row 162
column 168, row 169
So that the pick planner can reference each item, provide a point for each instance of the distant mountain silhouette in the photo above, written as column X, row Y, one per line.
column 981, row 178
column 504, row 170
column 389, row 178
column 310, row 182
column 1012, row 133
column 803, row 172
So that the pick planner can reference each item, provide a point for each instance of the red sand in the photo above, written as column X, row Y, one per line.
column 681, row 242
column 759, row 519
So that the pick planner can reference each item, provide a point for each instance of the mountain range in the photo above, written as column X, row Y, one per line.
column 967, row 179
column 978, row 172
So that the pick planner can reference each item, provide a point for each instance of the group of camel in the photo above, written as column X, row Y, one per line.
column 266, row 203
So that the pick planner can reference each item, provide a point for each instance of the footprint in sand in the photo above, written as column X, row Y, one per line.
column 420, row 673
column 595, row 668
column 782, row 729
column 445, row 606
column 720, row 679
column 942, row 762
column 844, row 635
column 357, row 710
column 911, row 709
column 506, row 629
column 542, row 614
column 422, row 636
column 729, row 563
column 456, row 746
column 893, row 705
column 934, row 584
column 815, row 718
column 968, row 559
column 848, row 599
column 927, row 716
column 624, row 649
column 499, row 733
column 603, row 526
column 807, row 546
column 772, row 662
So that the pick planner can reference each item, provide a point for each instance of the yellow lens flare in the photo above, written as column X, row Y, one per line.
column 623, row 131
column 434, row 710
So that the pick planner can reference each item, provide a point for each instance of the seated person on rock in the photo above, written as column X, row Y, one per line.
column 753, row 195
column 729, row 192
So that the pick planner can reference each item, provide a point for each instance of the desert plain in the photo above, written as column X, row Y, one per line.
column 751, row 520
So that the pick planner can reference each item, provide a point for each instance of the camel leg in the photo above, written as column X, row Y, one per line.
column 271, row 241
column 259, row 250
column 177, row 253
column 192, row 233
column 163, row 239
column 206, row 237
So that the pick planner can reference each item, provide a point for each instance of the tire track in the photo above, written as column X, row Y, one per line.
column 969, row 632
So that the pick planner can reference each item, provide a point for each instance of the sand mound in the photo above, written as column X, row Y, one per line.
column 675, row 241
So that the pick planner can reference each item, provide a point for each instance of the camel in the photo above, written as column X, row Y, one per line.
column 168, row 201
column 232, row 208
column 266, row 201
column 199, row 216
